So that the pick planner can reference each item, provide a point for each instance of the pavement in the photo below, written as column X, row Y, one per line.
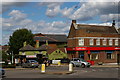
column 58, row 72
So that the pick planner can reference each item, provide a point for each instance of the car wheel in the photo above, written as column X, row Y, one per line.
column 83, row 65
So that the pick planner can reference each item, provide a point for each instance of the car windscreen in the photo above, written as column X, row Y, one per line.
column 82, row 60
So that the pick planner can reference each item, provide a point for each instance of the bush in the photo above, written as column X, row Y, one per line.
column 8, row 66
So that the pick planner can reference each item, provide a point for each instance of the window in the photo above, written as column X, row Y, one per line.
column 116, row 42
column 93, row 56
column 110, row 42
column 98, row 42
column 104, row 42
column 81, row 42
column 110, row 56
column 91, row 42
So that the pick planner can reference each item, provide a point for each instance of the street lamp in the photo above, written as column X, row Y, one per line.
column 12, row 56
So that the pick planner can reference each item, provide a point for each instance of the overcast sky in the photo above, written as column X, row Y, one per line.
column 54, row 17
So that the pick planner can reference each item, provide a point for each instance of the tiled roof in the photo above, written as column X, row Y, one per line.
column 119, row 30
column 49, row 51
column 44, row 47
column 27, row 48
column 51, row 37
column 96, row 28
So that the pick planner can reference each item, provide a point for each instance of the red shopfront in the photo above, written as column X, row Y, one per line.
column 96, row 54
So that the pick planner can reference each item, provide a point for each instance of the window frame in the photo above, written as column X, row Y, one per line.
column 81, row 41
column 110, row 42
column 104, row 42
column 96, row 58
column 91, row 42
column 97, row 41
column 116, row 42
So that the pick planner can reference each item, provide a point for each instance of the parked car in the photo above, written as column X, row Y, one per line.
column 2, row 71
column 80, row 62
column 30, row 63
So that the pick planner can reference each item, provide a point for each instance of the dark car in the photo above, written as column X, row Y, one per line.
column 30, row 63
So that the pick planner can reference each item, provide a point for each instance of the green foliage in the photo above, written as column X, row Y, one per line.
column 18, row 38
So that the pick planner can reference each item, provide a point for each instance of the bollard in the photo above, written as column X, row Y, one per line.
column 71, row 67
column 59, row 63
column 47, row 65
column 43, row 68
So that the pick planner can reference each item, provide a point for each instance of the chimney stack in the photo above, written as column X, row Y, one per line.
column 37, row 43
column 73, row 21
column 113, row 24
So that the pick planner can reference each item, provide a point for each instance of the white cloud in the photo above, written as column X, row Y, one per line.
column 17, row 15
column 89, row 10
column 51, row 12
column 67, row 11
column 110, row 17
column 50, row 4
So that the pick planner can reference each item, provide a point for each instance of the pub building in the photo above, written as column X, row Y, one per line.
column 95, row 43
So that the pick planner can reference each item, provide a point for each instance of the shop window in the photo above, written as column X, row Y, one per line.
column 110, row 56
column 81, row 42
column 93, row 56
column 110, row 42
column 91, row 42
column 116, row 42
column 104, row 42
column 98, row 42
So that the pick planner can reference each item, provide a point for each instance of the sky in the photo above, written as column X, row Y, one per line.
column 54, row 17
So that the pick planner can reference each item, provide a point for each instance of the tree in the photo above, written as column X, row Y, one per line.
column 18, row 38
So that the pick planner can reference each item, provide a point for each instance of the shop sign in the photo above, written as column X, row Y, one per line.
column 92, row 48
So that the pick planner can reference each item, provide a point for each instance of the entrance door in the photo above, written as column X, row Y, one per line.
column 118, row 59
column 81, row 54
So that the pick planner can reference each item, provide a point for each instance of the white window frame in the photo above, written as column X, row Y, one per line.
column 97, row 41
column 116, row 42
column 81, row 42
column 91, row 42
column 104, row 42
column 110, row 42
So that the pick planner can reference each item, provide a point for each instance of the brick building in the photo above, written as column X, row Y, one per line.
column 94, row 42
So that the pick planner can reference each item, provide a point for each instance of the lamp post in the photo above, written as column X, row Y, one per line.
column 12, row 57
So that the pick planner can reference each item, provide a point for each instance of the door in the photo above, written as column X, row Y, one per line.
column 81, row 54
column 118, row 59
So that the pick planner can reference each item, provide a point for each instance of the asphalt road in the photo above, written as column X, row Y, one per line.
column 78, row 73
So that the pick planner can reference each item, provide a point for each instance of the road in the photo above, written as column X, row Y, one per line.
column 78, row 73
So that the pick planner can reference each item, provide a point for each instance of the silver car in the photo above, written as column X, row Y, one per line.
column 30, row 63
column 80, row 62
